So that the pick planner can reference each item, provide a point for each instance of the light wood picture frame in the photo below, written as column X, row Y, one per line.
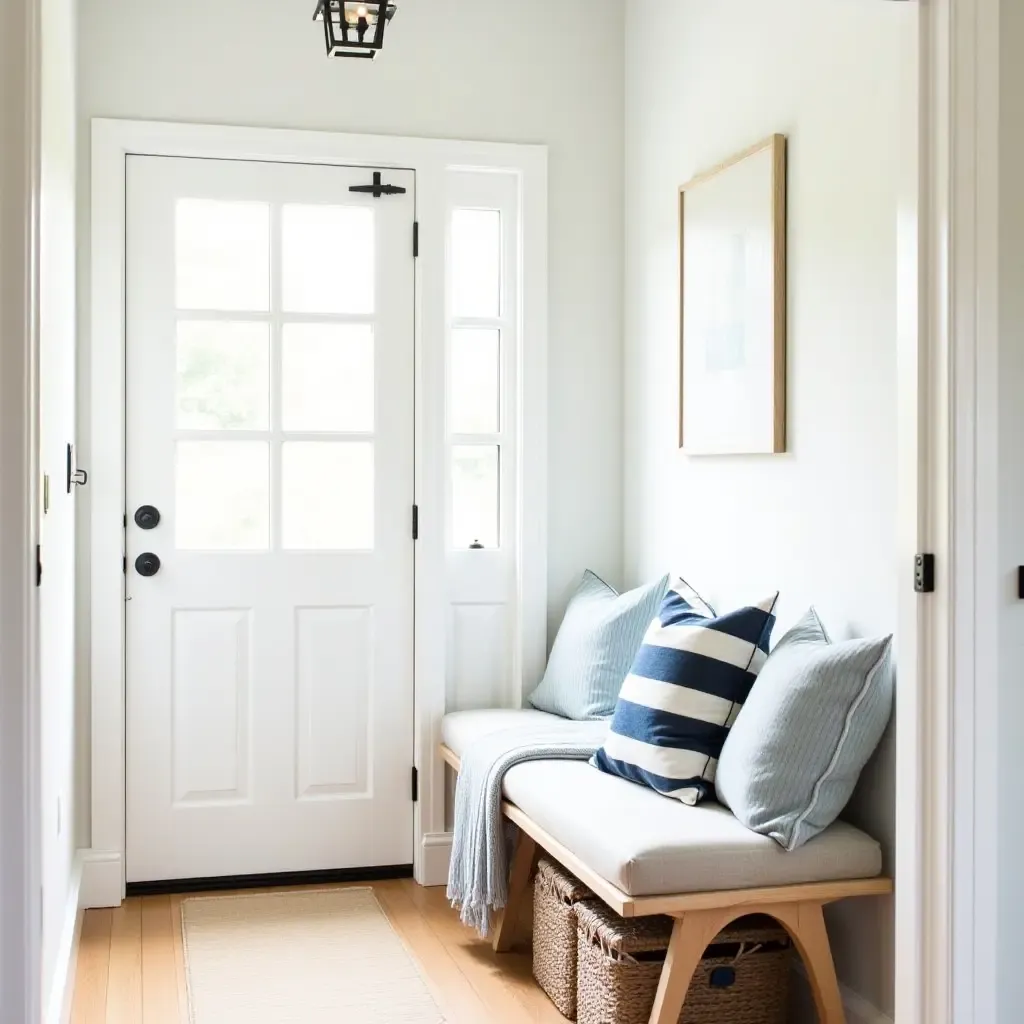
column 733, row 305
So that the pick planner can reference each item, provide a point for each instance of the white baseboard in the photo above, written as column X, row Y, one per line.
column 437, row 852
column 858, row 1009
column 57, row 1001
column 102, row 879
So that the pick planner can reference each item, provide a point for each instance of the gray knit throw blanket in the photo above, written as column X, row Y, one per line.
column 478, row 873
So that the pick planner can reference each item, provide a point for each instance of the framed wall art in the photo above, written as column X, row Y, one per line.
column 732, row 247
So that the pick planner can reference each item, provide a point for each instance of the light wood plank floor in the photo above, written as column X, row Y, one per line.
column 131, row 971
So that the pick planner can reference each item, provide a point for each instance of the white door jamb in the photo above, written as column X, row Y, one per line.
column 946, row 879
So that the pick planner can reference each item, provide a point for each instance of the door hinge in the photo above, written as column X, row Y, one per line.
column 39, row 565
column 924, row 573
column 415, row 238
column 415, row 522
column 415, row 785
column 124, row 564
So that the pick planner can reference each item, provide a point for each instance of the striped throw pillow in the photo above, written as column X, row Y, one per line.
column 689, row 680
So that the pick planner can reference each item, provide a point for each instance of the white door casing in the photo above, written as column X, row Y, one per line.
column 270, row 388
column 436, row 163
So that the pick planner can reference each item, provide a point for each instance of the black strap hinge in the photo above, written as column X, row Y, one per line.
column 415, row 522
column 415, row 238
column 415, row 785
column 924, row 573
column 377, row 189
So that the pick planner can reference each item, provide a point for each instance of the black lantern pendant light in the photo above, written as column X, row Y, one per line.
column 353, row 29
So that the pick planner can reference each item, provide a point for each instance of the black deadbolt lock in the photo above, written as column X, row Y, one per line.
column 147, row 517
column 147, row 564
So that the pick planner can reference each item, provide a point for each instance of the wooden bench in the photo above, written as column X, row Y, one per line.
column 699, row 916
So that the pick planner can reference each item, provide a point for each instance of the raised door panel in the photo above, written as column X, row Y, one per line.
column 334, row 671
column 210, row 690
column 478, row 663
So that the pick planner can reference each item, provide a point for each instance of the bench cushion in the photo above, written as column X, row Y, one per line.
column 460, row 728
column 647, row 845
column 650, row 846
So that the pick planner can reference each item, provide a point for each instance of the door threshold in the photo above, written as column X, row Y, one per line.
column 219, row 883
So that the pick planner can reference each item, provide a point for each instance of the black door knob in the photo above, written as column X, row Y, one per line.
column 147, row 564
column 147, row 517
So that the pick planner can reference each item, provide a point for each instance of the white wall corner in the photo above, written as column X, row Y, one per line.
column 102, row 879
column 858, row 1009
column 58, row 998
column 437, row 852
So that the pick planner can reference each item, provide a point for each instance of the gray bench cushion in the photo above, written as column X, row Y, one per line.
column 461, row 727
column 648, row 845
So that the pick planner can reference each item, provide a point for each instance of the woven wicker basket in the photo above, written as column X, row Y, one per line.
column 554, row 933
column 743, row 979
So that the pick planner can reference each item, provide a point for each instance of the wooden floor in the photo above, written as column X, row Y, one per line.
column 130, row 967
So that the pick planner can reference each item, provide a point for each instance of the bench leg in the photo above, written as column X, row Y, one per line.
column 805, row 922
column 518, row 885
column 692, row 933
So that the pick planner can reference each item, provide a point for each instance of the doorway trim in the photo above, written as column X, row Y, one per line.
column 432, row 160
column 946, row 879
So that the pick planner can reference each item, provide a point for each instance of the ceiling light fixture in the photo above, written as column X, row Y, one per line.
column 353, row 29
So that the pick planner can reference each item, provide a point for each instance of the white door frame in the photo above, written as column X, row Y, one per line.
column 20, row 733
column 946, row 880
column 432, row 160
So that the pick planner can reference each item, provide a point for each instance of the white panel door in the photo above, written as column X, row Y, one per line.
column 270, row 425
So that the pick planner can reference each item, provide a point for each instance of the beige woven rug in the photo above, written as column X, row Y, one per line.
column 299, row 958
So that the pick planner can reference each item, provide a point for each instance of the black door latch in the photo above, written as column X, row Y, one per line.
column 377, row 189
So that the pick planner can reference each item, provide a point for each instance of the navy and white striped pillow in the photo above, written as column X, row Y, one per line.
column 687, row 685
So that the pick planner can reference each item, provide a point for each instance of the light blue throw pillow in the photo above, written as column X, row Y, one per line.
column 599, row 635
column 812, row 721
column 685, row 689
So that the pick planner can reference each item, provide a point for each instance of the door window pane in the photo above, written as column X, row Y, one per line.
column 222, row 491
column 327, row 495
column 327, row 377
column 476, row 263
column 223, row 376
column 328, row 259
column 474, row 404
column 475, row 492
column 222, row 255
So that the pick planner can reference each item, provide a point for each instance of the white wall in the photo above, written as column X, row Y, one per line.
column 530, row 71
column 20, row 909
column 1011, row 514
column 57, row 429
column 703, row 81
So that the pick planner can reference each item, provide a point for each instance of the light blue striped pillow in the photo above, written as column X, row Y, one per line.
column 599, row 635
column 688, row 682
column 812, row 722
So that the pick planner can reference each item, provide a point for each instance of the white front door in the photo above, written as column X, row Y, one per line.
column 270, row 431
